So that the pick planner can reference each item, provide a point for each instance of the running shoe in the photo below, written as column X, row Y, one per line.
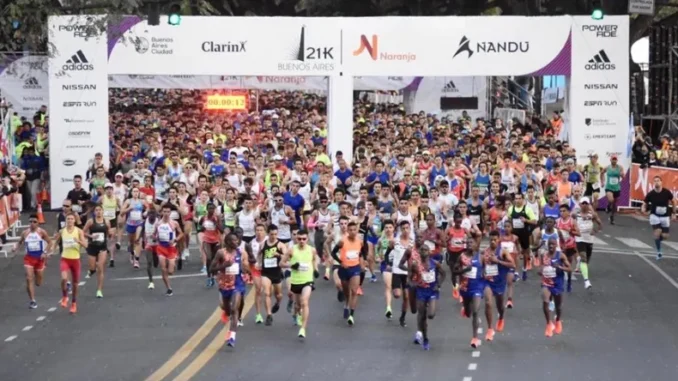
column 117, row 246
column 74, row 308
column 69, row 288
column 302, row 333
column 402, row 322
column 524, row 275
column 475, row 342
column 489, row 336
column 64, row 302
column 509, row 303
column 500, row 325
column 203, row 270
column 340, row 297
column 549, row 330
column 463, row 313
column 360, row 291
column 350, row 320
column 346, row 313
column 33, row 305
column 258, row 319
column 208, row 283
column 136, row 264
column 89, row 275
column 169, row 292
column 516, row 277
column 299, row 320
column 230, row 342
column 276, row 307
column 389, row 313
column 558, row 329
column 240, row 323
column 426, row 345
column 418, row 338
column 185, row 254
column 569, row 286
column 269, row 320
column 151, row 286
column 587, row 284
column 224, row 317
column 455, row 292
column 290, row 304
column 659, row 255
column 100, row 294
column 373, row 278
column 111, row 263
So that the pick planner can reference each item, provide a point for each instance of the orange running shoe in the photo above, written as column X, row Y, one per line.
column 74, row 308
column 463, row 312
column 455, row 292
column 500, row 325
column 64, row 302
column 529, row 265
column 559, row 327
column 360, row 291
column 535, row 259
column 475, row 342
column 509, row 304
column 549, row 330
column 224, row 317
column 489, row 336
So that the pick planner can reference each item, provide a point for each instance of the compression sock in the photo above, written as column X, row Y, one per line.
column 362, row 277
column 658, row 244
column 402, row 315
column 352, row 312
column 584, row 268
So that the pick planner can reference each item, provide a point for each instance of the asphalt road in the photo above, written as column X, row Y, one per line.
column 622, row 329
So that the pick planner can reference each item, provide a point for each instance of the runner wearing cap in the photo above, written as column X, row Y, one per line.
column 589, row 224
column 661, row 205
column 592, row 175
column 614, row 174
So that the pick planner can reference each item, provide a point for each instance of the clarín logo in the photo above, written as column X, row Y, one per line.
column 600, row 61
column 78, row 62
column 227, row 47
column 490, row 47
column 372, row 48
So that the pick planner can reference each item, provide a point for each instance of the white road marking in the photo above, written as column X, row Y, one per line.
column 634, row 243
column 607, row 235
column 82, row 283
column 673, row 245
column 51, row 309
column 643, row 253
column 659, row 270
column 172, row 277
column 27, row 328
column 472, row 366
column 467, row 379
column 7, row 340
column 475, row 354
column 40, row 318
column 598, row 241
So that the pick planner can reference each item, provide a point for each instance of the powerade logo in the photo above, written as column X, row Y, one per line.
column 604, row 31
column 78, row 62
column 600, row 61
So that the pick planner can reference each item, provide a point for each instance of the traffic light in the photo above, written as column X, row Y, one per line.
column 174, row 15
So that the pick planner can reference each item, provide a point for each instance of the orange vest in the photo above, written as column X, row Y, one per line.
column 350, row 252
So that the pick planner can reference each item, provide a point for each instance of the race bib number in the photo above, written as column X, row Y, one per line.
column 660, row 210
column 174, row 215
column 33, row 246
column 614, row 180
column 270, row 263
column 304, row 267
column 98, row 237
column 209, row 225
column 549, row 272
column 595, row 186
column 135, row 215
column 566, row 234
column 471, row 274
column 431, row 246
column 109, row 214
column 518, row 223
column 508, row 246
column 457, row 242
column 491, row 270
column 164, row 236
column 69, row 243
column 475, row 219
column 429, row 276
column 233, row 269
column 352, row 254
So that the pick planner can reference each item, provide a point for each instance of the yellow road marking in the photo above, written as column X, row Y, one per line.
column 188, row 347
column 206, row 355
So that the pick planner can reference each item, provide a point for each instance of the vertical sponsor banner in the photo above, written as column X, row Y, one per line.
column 78, row 92
column 599, row 91
column 23, row 83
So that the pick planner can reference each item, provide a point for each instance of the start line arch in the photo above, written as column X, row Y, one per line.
column 593, row 53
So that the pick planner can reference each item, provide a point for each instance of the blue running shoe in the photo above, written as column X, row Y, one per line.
column 427, row 346
column 33, row 305
column 373, row 279
column 524, row 276
column 231, row 342
column 418, row 337
column 346, row 313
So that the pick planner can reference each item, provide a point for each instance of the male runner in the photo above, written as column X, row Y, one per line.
column 522, row 219
column 229, row 266
column 497, row 263
column 334, row 236
column 510, row 244
column 256, row 245
column 150, row 245
column 349, row 253
column 270, row 256
column 554, row 264
column 585, row 223
column 98, row 231
column 660, row 200
column 384, row 251
column 303, row 262
column 614, row 175
column 469, row 266
column 402, row 245
column 167, row 234
column 37, row 243
column 212, row 231
column 568, row 230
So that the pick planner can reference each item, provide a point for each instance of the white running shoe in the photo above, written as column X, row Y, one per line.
column 587, row 284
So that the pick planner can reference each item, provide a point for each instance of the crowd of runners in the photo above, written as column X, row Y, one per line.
column 426, row 200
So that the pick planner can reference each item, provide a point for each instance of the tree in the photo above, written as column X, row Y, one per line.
column 23, row 23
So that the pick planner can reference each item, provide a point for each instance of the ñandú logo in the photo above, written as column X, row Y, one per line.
column 372, row 48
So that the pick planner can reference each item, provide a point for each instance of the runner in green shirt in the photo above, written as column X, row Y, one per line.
column 614, row 174
column 303, row 263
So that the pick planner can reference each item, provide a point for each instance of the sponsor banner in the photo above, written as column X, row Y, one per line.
column 642, row 7
column 432, row 91
column 380, row 46
column 642, row 181
column 78, row 92
column 381, row 83
column 599, row 88
column 284, row 83
column 165, row 81
column 23, row 84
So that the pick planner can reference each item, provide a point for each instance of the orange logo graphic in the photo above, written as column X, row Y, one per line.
column 372, row 48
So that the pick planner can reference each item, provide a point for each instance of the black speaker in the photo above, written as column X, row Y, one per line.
column 663, row 70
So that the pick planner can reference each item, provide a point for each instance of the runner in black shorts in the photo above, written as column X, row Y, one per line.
column 97, row 231
column 270, row 257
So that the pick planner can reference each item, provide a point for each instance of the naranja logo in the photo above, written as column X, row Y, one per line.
column 372, row 48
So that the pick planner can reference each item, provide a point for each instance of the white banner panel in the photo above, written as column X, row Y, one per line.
column 599, row 89
column 431, row 89
column 285, row 83
column 78, row 105
column 642, row 7
column 24, row 85
column 380, row 46
column 381, row 83
column 165, row 81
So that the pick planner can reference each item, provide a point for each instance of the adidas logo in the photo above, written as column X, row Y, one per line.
column 450, row 88
column 32, row 83
column 78, row 62
column 600, row 62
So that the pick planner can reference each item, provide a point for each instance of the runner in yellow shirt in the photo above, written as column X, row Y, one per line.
column 70, row 239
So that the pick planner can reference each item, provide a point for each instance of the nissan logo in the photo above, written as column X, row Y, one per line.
column 69, row 162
